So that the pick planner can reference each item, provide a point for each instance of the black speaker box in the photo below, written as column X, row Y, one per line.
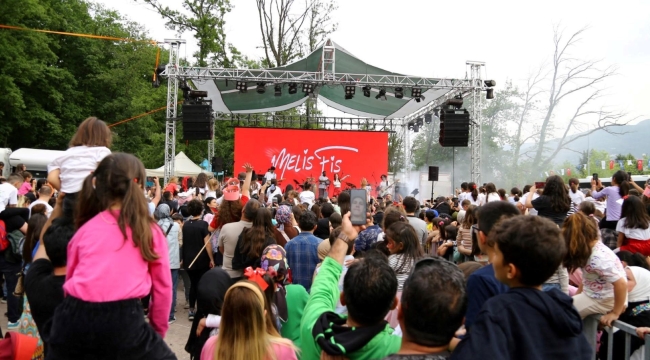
column 433, row 173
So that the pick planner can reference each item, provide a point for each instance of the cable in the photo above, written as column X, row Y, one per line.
column 77, row 34
column 138, row 116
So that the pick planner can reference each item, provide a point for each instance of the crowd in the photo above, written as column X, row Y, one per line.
column 274, row 272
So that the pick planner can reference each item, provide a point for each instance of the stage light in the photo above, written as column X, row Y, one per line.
column 490, row 83
column 156, row 78
column 381, row 95
column 416, row 92
column 399, row 92
column 349, row 91
column 436, row 112
column 410, row 125
column 428, row 118
column 293, row 88
column 308, row 88
column 489, row 94
column 420, row 122
column 278, row 90
column 416, row 128
column 366, row 91
column 419, row 98
column 241, row 86
column 195, row 94
column 261, row 88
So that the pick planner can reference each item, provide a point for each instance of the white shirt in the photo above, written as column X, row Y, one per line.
column 636, row 234
column 471, row 199
column 599, row 205
column 481, row 199
column 270, row 195
column 269, row 176
column 48, row 212
column 76, row 164
column 522, row 201
column 493, row 197
column 8, row 195
column 641, row 291
column 307, row 197
column 576, row 198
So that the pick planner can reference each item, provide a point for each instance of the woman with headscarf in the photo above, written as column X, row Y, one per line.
column 171, row 229
column 211, row 293
column 285, row 230
column 290, row 299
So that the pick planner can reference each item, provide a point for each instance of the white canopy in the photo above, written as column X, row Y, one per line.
column 183, row 166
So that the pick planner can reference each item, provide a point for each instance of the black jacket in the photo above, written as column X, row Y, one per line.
column 526, row 324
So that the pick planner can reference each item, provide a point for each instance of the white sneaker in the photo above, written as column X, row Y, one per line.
column 13, row 326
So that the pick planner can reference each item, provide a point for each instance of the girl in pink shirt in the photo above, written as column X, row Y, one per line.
column 243, row 332
column 117, row 256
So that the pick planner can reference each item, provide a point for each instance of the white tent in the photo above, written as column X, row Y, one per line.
column 183, row 166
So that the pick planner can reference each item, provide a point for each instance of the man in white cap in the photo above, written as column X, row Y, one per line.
column 270, row 175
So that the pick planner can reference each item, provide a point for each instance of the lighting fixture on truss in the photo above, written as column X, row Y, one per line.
column 293, row 88
column 307, row 88
column 416, row 128
column 241, row 86
column 382, row 95
column 428, row 118
column 436, row 112
column 419, row 121
column 261, row 88
column 489, row 93
column 399, row 92
column 349, row 91
column 366, row 91
column 416, row 93
column 278, row 90
column 410, row 125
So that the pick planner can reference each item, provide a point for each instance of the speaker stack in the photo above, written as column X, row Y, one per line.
column 197, row 122
column 433, row 173
column 454, row 127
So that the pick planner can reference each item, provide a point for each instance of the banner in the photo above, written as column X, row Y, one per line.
column 639, row 165
column 568, row 172
column 629, row 162
column 602, row 164
column 301, row 154
column 620, row 163
column 611, row 164
column 562, row 170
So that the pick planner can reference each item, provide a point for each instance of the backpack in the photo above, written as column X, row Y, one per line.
column 13, row 254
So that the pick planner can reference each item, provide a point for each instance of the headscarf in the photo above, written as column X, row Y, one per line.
column 163, row 214
column 211, row 291
column 283, row 216
column 274, row 262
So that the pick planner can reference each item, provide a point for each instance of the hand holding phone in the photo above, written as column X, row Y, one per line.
column 539, row 184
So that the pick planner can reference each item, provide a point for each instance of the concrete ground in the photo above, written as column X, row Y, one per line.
column 176, row 335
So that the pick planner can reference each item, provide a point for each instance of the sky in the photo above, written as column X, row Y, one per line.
column 435, row 38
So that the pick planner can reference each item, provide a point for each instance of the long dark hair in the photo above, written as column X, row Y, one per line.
column 119, row 179
column 490, row 188
column 470, row 217
column 579, row 231
column 34, row 227
column 557, row 193
column 403, row 233
column 574, row 184
column 201, row 181
column 635, row 213
column 621, row 180
column 255, row 236
column 474, row 190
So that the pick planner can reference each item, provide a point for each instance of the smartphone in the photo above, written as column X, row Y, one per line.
column 539, row 184
column 595, row 176
column 275, row 200
column 149, row 181
column 629, row 176
column 358, row 206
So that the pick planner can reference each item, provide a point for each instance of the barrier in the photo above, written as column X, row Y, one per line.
column 590, row 330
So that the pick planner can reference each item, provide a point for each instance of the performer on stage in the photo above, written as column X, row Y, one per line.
column 337, row 183
column 323, row 184
column 385, row 187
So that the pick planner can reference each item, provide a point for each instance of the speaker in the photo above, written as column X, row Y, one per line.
column 217, row 164
column 454, row 127
column 433, row 173
column 197, row 122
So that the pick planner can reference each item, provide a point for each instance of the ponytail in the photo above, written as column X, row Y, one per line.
column 623, row 185
column 88, row 203
column 474, row 191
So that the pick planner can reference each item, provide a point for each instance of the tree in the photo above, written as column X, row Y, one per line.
column 206, row 21
column 282, row 26
column 581, row 80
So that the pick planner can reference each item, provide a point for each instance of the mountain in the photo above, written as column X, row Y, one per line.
column 634, row 140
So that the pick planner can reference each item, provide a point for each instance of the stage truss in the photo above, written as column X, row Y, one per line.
column 327, row 76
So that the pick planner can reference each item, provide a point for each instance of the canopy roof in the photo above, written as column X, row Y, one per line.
column 183, row 166
column 227, row 99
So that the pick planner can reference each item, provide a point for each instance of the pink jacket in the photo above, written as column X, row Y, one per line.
column 103, row 267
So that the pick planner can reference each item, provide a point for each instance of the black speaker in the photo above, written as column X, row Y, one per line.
column 197, row 122
column 433, row 173
column 454, row 127
column 217, row 164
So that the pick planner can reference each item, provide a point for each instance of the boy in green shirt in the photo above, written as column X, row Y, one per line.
column 368, row 292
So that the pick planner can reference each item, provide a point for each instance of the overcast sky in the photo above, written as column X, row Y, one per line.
column 435, row 38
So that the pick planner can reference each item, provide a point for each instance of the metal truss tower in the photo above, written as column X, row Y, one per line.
column 172, row 105
column 477, row 124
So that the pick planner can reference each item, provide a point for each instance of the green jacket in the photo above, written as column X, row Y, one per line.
column 296, row 299
column 323, row 298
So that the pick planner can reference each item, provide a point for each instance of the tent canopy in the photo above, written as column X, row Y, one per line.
column 227, row 99
column 183, row 166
